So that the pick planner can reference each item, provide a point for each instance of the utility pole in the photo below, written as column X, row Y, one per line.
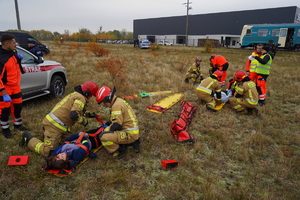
column 18, row 17
column 187, row 21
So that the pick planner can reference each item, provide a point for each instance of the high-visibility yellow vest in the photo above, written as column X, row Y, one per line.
column 253, row 63
column 264, row 68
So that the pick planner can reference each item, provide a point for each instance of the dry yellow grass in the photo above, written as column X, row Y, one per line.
column 234, row 157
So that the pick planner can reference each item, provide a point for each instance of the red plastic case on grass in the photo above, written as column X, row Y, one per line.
column 18, row 160
column 169, row 164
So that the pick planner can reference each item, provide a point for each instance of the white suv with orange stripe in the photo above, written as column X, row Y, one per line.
column 41, row 77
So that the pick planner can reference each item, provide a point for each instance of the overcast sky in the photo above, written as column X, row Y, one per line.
column 60, row 15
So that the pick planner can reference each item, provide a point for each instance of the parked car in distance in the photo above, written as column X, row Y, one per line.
column 166, row 43
column 41, row 77
column 23, row 38
column 145, row 44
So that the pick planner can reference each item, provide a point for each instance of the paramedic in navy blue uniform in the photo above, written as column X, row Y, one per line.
column 34, row 49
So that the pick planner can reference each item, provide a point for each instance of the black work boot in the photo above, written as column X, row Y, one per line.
column 242, row 112
column 210, row 108
column 6, row 132
column 26, row 136
column 252, row 111
column 20, row 128
column 136, row 145
column 120, row 152
column 261, row 102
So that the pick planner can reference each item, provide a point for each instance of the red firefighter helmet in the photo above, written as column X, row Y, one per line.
column 198, row 59
column 89, row 88
column 239, row 76
column 105, row 94
column 218, row 74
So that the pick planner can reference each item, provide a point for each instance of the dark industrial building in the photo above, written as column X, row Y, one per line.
column 225, row 26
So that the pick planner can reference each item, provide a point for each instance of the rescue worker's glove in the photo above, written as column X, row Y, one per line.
column 20, row 56
column 90, row 114
column 115, row 127
column 238, row 96
column 108, row 123
column 85, row 122
column 186, row 80
column 6, row 98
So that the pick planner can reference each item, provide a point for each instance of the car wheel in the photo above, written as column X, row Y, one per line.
column 57, row 87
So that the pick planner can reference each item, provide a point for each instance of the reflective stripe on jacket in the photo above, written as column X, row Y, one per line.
column 123, row 114
column 264, row 68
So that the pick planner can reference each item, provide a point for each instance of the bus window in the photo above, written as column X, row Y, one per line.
column 275, row 32
column 298, row 34
column 283, row 33
column 248, row 32
column 262, row 32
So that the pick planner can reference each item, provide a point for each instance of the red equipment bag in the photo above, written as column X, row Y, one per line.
column 179, row 127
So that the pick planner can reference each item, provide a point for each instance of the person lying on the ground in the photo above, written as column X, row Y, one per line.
column 74, row 150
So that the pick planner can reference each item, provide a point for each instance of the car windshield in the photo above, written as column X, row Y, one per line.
column 145, row 41
column 27, row 58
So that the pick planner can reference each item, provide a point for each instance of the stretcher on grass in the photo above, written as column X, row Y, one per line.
column 146, row 94
column 67, row 171
column 164, row 104
column 220, row 106
column 70, row 170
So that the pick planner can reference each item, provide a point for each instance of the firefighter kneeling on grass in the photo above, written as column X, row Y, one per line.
column 205, row 91
column 194, row 72
column 245, row 98
column 122, row 130
column 63, row 116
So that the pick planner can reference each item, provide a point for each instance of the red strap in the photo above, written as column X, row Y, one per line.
column 97, row 133
column 99, row 119
column 80, row 138
column 87, row 152
column 157, row 108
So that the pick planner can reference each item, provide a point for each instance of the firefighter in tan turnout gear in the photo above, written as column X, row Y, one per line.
column 122, row 130
column 194, row 72
column 205, row 91
column 245, row 98
column 63, row 116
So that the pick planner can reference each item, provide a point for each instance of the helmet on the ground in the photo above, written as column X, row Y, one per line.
column 198, row 59
column 218, row 74
column 239, row 75
column 105, row 94
column 89, row 88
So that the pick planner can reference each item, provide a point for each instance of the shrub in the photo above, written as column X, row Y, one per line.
column 154, row 47
column 208, row 47
column 96, row 49
column 116, row 68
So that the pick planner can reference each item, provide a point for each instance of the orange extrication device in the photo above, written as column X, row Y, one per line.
column 179, row 127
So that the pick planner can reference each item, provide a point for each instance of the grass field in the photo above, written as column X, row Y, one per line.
column 233, row 157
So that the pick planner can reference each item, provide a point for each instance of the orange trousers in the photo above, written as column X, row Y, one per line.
column 261, row 84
